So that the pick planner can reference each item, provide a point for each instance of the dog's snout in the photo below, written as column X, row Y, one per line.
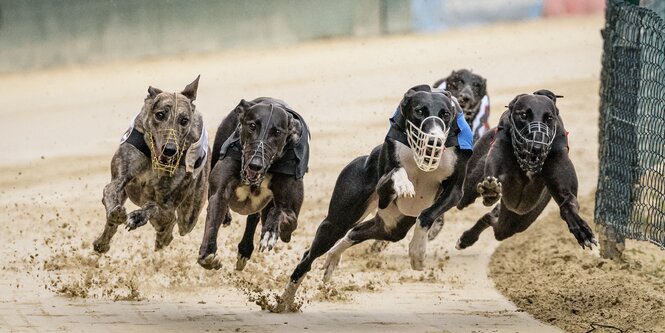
column 255, row 165
column 170, row 149
column 464, row 98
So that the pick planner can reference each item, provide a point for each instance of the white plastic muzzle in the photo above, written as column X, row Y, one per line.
column 427, row 147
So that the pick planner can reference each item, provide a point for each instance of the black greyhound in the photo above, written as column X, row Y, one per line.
column 259, row 158
column 412, row 178
column 524, row 162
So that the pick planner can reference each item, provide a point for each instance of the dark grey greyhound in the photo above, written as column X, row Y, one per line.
column 260, row 157
column 471, row 92
column 412, row 178
column 523, row 163
column 162, row 166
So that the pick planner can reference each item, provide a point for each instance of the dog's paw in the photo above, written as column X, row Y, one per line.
column 241, row 262
column 227, row 220
column 467, row 239
column 101, row 246
column 490, row 189
column 268, row 240
column 332, row 260
column 435, row 229
column 583, row 233
column 210, row 261
column 418, row 247
column 117, row 215
column 402, row 185
column 135, row 219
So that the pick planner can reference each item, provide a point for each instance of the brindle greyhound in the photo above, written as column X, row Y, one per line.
column 523, row 163
column 162, row 166
column 260, row 156
column 412, row 178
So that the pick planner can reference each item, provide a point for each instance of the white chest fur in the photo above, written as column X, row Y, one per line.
column 248, row 202
column 425, row 184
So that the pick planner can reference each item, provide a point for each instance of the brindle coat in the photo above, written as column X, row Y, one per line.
column 164, row 199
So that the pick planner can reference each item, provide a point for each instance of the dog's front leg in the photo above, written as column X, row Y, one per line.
column 224, row 179
column 282, row 218
column 491, row 186
column 561, row 181
column 125, row 165
column 395, row 181
column 451, row 193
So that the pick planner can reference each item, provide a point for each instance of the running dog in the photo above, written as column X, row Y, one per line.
column 523, row 163
column 260, row 157
column 412, row 178
column 162, row 166
column 471, row 91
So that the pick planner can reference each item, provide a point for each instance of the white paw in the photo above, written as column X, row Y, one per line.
column 418, row 247
column 402, row 185
column 268, row 241
column 332, row 260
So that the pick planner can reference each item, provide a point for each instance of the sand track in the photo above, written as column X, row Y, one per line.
column 66, row 122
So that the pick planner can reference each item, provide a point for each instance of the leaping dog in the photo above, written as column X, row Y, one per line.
column 162, row 166
column 260, row 156
column 412, row 178
column 471, row 92
column 523, row 163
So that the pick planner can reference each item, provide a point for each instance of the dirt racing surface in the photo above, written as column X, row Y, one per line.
column 63, row 126
column 544, row 272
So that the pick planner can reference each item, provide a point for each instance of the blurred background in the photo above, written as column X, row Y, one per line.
column 44, row 33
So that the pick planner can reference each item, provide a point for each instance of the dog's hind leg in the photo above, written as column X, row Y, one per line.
column 246, row 245
column 351, row 201
column 509, row 223
column 374, row 228
column 470, row 236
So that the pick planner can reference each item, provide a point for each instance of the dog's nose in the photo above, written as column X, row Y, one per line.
column 170, row 149
column 255, row 165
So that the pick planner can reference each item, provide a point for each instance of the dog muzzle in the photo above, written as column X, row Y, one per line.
column 167, row 158
column 531, row 144
column 427, row 147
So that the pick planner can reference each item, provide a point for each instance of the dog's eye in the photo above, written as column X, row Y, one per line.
column 159, row 116
column 252, row 126
column 522, row 115
column 476, row 84
column 184, row 121
column 419, row 112
column 278, row 132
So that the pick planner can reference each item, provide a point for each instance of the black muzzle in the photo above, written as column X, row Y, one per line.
column 531, row 144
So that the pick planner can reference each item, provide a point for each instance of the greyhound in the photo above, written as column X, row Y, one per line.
column 260, row 157
column 471, row 91
column 523, row 163
column 162, row 166
column 412, row 178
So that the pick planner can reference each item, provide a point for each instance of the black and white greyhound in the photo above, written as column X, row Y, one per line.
column 412, row 178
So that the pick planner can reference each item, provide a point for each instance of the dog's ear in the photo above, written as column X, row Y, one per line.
column 242, row 107
column 512, row 103
column 548, row 94
column 295, row 129
column 153, row 92
column 413, row 91
column 484, row 87
column 190, row 89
